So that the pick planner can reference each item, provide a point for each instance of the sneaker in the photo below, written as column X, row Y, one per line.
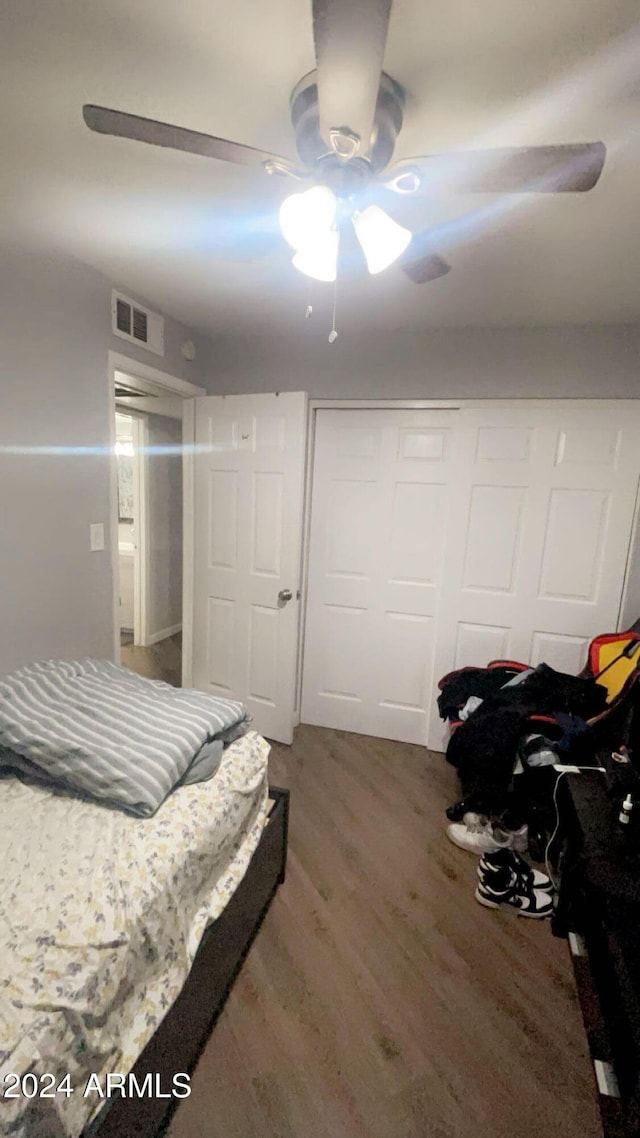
column 491, row 864
column 517, row 840
column 516, row 895
column 476, row 834
column 457, row 811
column 474, row 821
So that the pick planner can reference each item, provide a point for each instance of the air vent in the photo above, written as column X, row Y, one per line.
column 123, row 317
column 140, row 325
column 131, row 322
column 124, row 392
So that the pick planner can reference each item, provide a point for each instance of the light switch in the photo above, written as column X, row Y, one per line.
column 96, row 531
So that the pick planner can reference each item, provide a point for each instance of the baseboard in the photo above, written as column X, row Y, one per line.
column 164, row 634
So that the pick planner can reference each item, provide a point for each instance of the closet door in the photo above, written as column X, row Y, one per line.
column 381, row 515
column 441, row 539
column 545, row 498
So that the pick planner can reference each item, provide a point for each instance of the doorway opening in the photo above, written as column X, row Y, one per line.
column 128, row 447
column 147, row 518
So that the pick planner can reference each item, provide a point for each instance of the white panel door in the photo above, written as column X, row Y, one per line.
column 544, row 497
column 379, row 523
column 445, row 539
column 248, row 489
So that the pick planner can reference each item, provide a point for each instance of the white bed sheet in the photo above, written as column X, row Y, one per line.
column 100, row 917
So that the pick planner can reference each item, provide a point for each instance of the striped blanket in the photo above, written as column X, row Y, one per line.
column 101, row 731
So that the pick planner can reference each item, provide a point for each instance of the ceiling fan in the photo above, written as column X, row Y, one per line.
column 346, row 117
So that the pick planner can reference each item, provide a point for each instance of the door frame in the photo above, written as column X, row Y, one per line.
column 141, row 552
column 315, row 405
column 141, row 546
column 172, row 384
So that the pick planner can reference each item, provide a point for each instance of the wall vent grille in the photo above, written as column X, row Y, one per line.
column 131, row 322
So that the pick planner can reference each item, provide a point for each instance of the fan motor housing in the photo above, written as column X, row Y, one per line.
column 348, row 175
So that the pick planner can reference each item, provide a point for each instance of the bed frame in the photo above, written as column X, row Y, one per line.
column 181, row 1037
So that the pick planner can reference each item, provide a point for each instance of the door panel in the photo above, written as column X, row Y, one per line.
column 549, row 493
column 593, row 447
column 379, row 521
column 493, row 537
column 576, row 521
column 223, row 519
column 248, row 485
column 476, row 644
column 267, row 500
column 568, row 652
column 220, row 638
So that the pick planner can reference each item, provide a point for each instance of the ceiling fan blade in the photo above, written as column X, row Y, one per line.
column 426, row 269
column 572, row 168
column 123, row 125
column 350, row 37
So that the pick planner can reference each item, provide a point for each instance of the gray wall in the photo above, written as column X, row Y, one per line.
column 165, row 526
column 56, row 597
column 487, row 363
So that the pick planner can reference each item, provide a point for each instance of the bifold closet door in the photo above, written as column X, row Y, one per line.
column 545, row 496
column 446, row 539
column 381, row 511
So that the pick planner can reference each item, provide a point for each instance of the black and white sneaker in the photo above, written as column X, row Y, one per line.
column 492, row 864
column 515, row 894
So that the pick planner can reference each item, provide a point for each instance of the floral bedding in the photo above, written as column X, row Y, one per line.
column 100, row 918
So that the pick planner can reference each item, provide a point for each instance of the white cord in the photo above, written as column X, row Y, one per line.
column 553, row 879
column 333, row 334
column 570, row 770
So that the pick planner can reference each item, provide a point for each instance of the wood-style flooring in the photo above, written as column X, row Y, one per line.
column 161, row 661
column 380, row 1000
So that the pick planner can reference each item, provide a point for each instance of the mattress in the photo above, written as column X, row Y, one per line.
column 101, row 915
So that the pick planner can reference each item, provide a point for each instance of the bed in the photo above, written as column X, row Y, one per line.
column 180, row 1038
column 120, row 937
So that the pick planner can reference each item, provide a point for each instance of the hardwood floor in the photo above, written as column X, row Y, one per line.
column 161, row 661
column 379, row 999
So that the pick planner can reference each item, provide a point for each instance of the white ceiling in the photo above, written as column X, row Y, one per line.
column 196, row 237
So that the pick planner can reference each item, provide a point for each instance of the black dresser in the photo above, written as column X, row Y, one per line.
column 598, row 911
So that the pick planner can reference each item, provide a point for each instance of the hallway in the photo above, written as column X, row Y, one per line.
column 161, row 661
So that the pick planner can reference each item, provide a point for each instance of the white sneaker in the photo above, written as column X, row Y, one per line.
column 493, row 867
column 517, row 894
column 517, row 840
column 472, row 820
column 476, row 834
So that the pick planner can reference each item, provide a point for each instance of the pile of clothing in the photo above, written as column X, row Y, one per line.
column 509, row 720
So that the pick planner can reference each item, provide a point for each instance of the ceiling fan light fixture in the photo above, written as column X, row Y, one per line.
column 319, row 258
column 381, row 238
column 406, row 182
column 344, row 142
column 307, row 217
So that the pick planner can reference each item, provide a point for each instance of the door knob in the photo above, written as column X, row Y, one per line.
column 285, row 595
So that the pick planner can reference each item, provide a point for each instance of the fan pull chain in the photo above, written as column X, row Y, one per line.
column 309, row 308
column 333, row 334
